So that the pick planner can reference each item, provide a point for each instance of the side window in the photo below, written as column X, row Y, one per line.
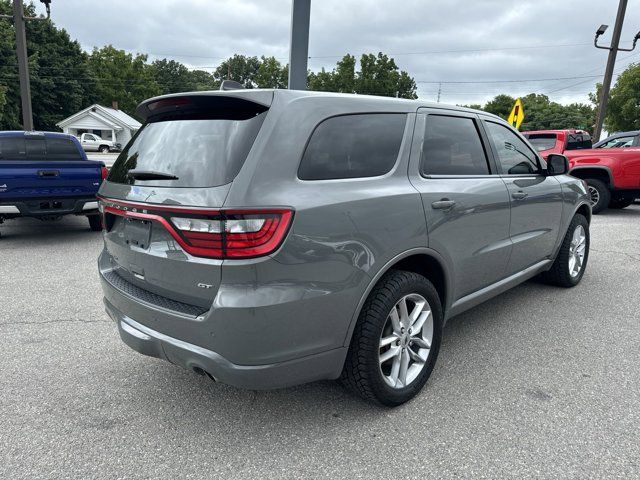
column 90, row 137
column 620, row 142
column 12, row 148
column 513, row 155
column 352, row 146
column 61, row 149
column 35, row 149
column 452, row 146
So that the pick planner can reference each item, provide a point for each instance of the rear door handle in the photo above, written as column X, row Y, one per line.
column 443, row 204
column 48, row 173
column 519, row 195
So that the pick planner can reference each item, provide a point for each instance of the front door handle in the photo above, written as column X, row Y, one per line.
column 519, row 195
column 443, row 204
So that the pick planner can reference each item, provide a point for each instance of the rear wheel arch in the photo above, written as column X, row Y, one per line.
column 423, row 261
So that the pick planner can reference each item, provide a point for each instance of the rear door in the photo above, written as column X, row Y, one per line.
column 536, row 199
column 466, row 207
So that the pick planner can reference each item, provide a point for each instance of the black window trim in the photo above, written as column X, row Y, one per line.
column 483, row 141
column 391, row 171
column 500, row 173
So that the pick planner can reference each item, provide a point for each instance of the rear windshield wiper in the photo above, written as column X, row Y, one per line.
column 151, row 175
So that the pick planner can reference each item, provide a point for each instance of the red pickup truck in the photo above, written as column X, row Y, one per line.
column 613, row 174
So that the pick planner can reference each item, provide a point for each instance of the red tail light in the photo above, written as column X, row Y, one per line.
column 103, row 173
column 213, row 234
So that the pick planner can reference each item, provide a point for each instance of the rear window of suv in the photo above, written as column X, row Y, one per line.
column 200, row 152
column 542, row 141
column 353, row 146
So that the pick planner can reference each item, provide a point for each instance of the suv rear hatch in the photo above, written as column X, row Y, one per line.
column 166, row 231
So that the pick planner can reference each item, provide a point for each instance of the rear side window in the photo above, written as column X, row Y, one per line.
column 200, row 152
column 620, row 142
column 40, row 148
column 542, row 141
column 452, row 146
column 353, row 146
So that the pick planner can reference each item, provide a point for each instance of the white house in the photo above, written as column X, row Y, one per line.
column 108, row 123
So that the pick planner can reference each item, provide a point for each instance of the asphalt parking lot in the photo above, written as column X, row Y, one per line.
column 539, row 382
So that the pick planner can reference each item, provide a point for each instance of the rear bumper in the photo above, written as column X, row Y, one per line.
column 325, row 365
column 48, row 206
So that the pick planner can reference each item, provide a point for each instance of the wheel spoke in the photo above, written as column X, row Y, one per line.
column 404, row 313
column 576, row 236
column 416, row 328
column 414, row 356
column 388, row 340
column 417, row 310
column 395, row 320
column 404, row 367
column 421, row 342
column 572, row 263
column 395, row 370
column 389, row 354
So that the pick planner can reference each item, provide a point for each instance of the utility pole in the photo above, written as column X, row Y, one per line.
column 299, row 46
column 614, row 48
column 23, row 63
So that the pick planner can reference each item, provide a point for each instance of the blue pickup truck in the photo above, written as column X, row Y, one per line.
column 46, row 175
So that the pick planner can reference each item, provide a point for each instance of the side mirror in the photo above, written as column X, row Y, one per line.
column 557, row 164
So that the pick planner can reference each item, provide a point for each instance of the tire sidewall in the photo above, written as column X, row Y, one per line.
column 387, row 394
column 605, row 195
column 577, row 220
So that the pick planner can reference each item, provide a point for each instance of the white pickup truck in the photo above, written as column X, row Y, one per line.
column 93, row 143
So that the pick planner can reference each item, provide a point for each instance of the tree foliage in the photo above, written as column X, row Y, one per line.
column 623, row 109
column 61, row 83
column 378, row 75
column 540, row 113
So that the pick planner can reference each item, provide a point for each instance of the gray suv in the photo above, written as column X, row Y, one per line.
column 269, row 238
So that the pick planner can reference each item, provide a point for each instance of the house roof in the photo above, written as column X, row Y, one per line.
column 110, row 116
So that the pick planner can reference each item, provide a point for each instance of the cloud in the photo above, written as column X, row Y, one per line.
column 432, row 40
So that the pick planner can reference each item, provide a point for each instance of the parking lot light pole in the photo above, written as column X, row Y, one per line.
column 23, row 62
column 608, row 74
column 299, row 46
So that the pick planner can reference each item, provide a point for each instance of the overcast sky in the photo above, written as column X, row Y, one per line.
column 434, row 40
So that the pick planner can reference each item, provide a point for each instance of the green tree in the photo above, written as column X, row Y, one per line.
column 122, row 77
column 172, row 76
column 202, row 80
column 271, row 74
column 623, row 108
column 61, row 83
column 500, row 105
column 240, row 68
column 378, row 75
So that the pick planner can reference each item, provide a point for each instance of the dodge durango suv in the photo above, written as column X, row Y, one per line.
column 267, row 238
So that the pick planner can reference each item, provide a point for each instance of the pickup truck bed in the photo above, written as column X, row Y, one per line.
column 47, row 179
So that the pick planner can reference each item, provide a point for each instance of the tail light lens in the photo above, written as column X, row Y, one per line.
column 214, row 234
column 103, row 173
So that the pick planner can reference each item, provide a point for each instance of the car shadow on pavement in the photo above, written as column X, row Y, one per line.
column 33, row 230
column 179, row 394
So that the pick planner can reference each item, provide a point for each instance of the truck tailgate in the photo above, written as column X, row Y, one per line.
column 29, row 179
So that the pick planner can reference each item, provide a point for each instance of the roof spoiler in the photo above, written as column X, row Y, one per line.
column 236, row 102
column 231, row 85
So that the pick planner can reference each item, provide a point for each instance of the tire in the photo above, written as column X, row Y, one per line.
column 103, row 149
column 619, row 203
column 600, row 196
column 560, row 272
column 95, row 223
column 363, row 369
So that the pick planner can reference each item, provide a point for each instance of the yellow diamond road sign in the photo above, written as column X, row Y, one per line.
column 517, row 114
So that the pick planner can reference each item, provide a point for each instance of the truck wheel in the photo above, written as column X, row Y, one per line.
column 103, row 149
column 95, row 223
column 396, row 339
column 619, row 203
column 599, row 195
column 569, row 266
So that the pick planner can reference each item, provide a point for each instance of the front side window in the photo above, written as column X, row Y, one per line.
column 353, row 146
column 513, row 155
column 620, row 142
column 452, row 146
column 88, row 136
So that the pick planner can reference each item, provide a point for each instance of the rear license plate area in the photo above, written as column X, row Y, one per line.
column 137, row 233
